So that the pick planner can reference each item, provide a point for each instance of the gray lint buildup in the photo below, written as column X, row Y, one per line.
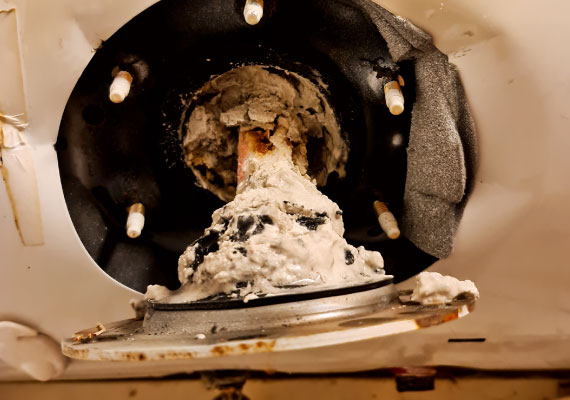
column 442, row 148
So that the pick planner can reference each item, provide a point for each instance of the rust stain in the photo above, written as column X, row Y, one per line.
column 83, row 354
column 221, row 350
column 243, row 348
column 259, row 142
column 138, row 356
column 135, row 356
column 437, row 319
column 76, row 353
column 265, row 346
column 251, row 142
column 450, row 317
column 175, row 355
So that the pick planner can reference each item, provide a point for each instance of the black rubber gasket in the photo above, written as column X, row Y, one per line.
column 230, row 304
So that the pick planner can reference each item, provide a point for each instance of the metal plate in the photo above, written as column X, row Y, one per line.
column 129, row 342
column 253, row 318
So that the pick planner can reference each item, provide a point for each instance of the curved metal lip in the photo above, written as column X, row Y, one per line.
column 238, row 303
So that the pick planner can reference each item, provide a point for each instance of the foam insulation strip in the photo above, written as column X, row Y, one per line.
column 442, row 151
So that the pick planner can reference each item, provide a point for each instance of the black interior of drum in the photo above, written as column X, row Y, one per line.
column 113, row 155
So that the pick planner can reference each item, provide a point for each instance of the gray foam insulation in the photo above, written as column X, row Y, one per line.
column 442, row 149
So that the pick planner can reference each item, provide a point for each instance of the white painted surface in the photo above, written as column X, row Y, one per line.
column 12, row 101
column 514, row 240
column 57, row 288
column 29, row 351
column 19, row 176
